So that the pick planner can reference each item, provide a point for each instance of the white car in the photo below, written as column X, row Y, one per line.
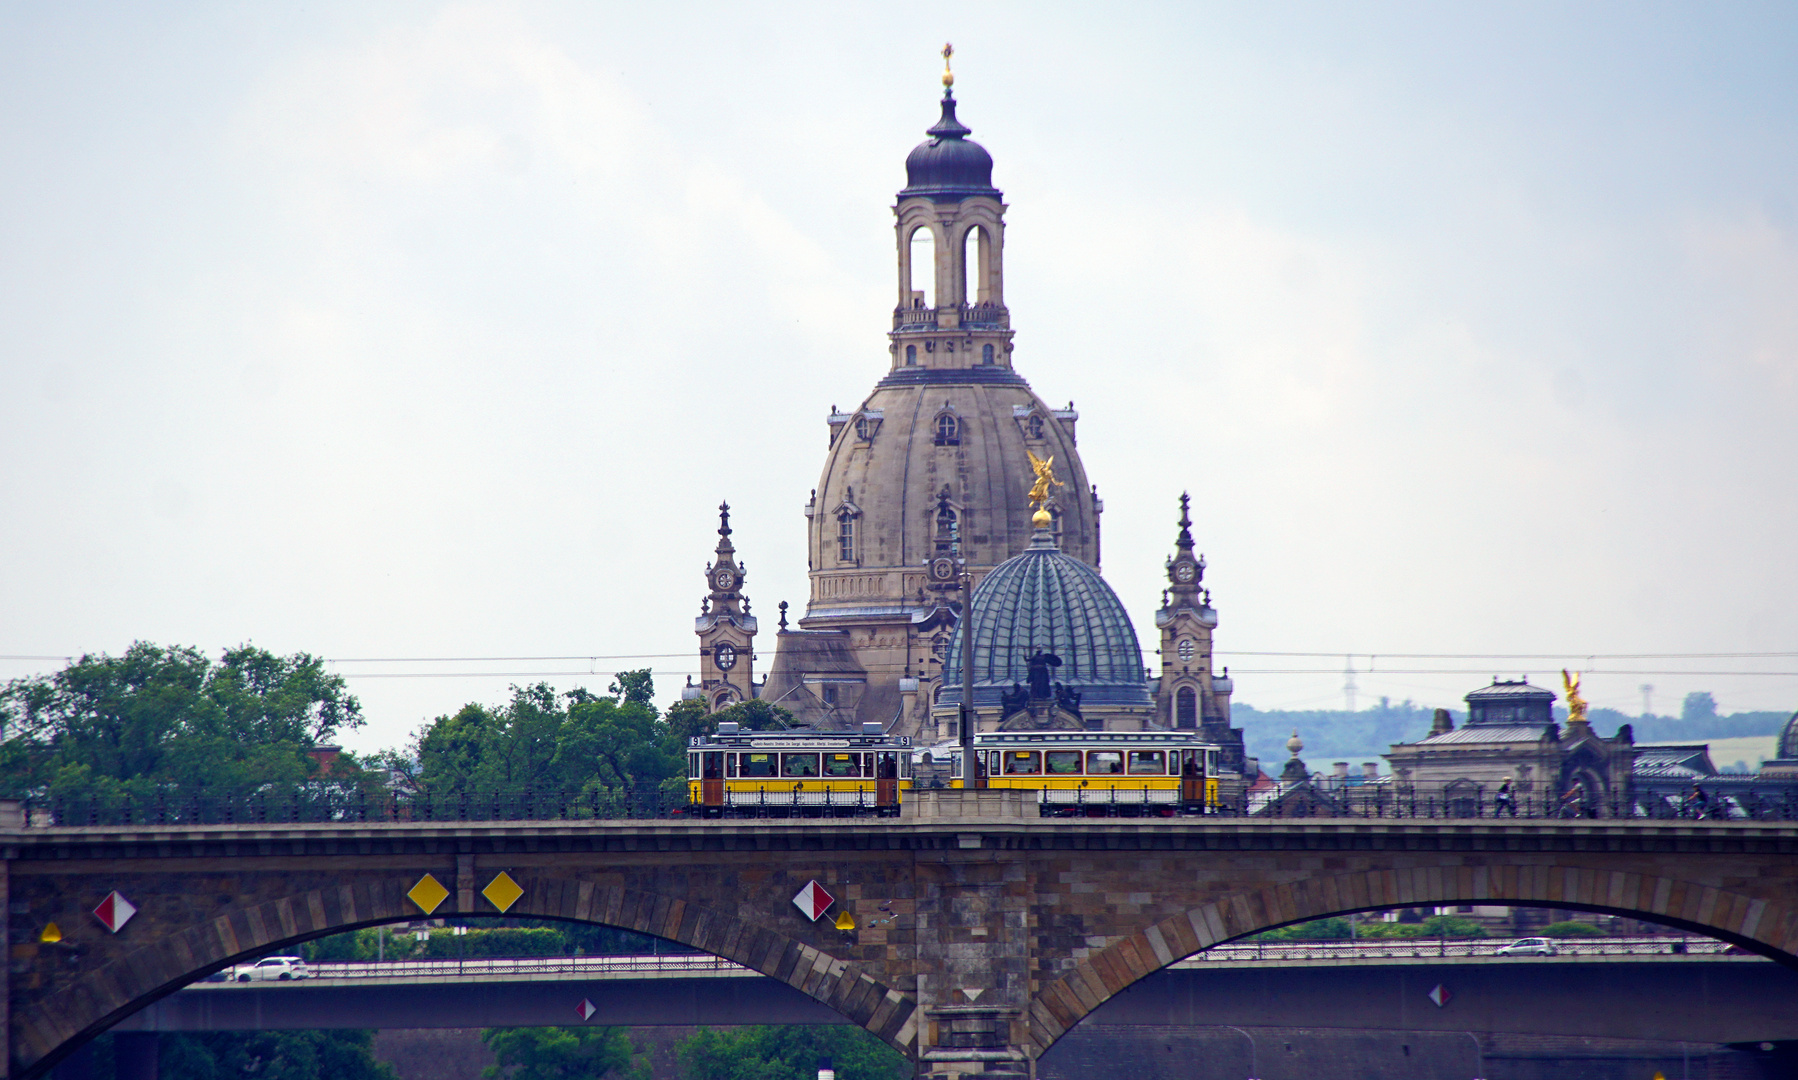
column 1529, row 946
column 272, row 967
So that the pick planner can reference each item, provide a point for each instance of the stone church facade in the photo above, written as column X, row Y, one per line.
column 930, row 472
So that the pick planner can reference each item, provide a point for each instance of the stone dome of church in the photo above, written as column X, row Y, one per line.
column 948, row 166
column 1047, row 600
column 1788, row 740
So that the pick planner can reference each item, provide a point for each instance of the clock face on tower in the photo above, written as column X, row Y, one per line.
column 1184, row 573
column 724, row 580
column 1186, row 650
column 942, row 569
column 725, row 656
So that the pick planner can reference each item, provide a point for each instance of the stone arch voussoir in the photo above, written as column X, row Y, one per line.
column 1770, row 927
column 99, row 999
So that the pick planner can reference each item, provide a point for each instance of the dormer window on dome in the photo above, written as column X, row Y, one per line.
column 948, row 428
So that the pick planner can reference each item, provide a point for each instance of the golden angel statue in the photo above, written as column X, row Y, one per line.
column 1576, row 705
column 1039, row 491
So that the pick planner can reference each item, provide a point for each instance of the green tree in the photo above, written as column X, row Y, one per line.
column 788, row 1053
column 1332, row 929
column 1699, row 707
column 1570, row 929
column 553, row 1053
column 272, row 1055
column 167, row 720
column 577, row 742
column 688, row 718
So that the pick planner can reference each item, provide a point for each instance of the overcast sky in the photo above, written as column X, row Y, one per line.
column 439, row 330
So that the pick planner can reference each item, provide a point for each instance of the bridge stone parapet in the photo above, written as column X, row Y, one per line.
column 979, row 941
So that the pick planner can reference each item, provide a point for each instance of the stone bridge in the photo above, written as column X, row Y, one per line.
column 980, row 940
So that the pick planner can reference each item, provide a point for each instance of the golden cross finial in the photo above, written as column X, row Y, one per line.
column 948, row 76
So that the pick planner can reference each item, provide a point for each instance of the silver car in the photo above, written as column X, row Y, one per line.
column 1529, row 946
column 271, row 968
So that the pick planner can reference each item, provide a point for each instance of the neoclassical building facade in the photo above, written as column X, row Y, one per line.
column 928, row 473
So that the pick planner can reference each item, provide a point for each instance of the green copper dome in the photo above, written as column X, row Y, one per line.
column 1046, row 600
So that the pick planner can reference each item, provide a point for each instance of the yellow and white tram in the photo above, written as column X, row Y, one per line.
column 797, row 773
column 1099, row 772
column 827, row 774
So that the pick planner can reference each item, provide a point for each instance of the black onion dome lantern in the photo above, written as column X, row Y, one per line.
column 948, row 167
column 1045, row 599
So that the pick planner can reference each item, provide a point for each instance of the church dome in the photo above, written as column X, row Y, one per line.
column 948, row 167
column 1044, row 599
column 1788, row 740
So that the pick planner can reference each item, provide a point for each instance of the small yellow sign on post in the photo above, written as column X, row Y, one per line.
column 51, row 935
column 427, row 894
column 845, row 921
column 502, row 892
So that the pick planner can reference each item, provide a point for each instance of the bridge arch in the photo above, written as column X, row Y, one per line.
column 1769, row 928
column 95, row 1001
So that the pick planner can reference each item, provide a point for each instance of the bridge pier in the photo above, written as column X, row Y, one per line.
column 975, row 942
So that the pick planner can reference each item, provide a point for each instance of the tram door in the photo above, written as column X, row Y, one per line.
column 886, row 779
column 1192, row 777
column 711, row 778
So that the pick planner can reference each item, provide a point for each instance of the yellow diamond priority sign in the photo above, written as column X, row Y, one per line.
column 427, row 894
column 502, row 892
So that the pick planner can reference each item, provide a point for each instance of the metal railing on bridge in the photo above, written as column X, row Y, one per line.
column 1318, row 798
column 1327, row 952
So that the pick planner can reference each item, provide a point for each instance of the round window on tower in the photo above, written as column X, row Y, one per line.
column 725, row 656
column 1186, row 650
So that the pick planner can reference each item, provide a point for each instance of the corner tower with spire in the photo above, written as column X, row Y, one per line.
column 1189, row 694
column 726, row 629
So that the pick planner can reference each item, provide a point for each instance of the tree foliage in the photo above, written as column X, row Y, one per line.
column 788, row 1053
column 544, row 741
column 158, row 720
column 1570, row 929
column 272, row 1055
column 554, row 1053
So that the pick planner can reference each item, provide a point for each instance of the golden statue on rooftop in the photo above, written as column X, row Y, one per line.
column 1576, row 705
column 1039, row 491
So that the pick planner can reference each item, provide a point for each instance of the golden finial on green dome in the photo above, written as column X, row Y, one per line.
column 948, row 76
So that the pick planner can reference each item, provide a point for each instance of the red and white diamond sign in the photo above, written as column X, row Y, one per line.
column 586, row 1008
column 114, row 911
column 1440, row 996
column 813, row 900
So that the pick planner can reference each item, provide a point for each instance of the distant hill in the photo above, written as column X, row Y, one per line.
column 1332, row 735
column 1696, row 728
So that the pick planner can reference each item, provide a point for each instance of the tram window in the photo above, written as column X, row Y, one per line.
column 1148, row 763
column 955, row 767
column 713, row 765
column 1023, row 763
column 1104, row 762
column 842, row 765
column 887, row 767
column 758, row 764
column 730, row 765
column 905, row 766
column 693, row 766
column 1064, row 762
column 799, row 764
column 992, row 763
